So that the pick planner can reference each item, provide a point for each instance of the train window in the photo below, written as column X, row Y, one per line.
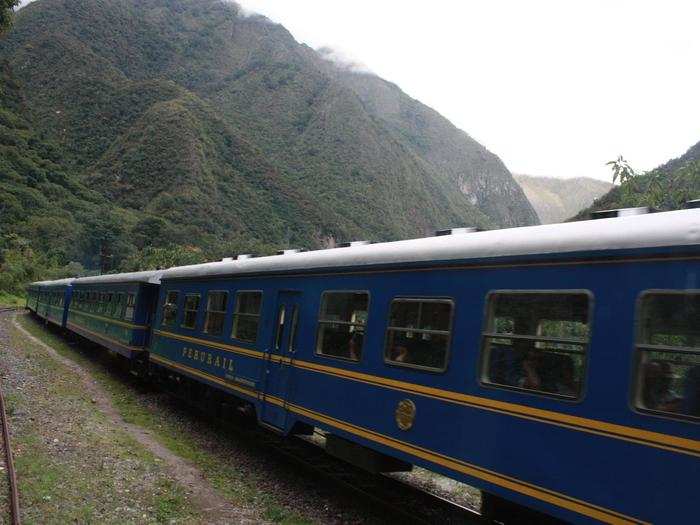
column 130, row 306
column 280, row 327
column 246, row 316
column 100, row 302
column 189, row 319
column 668, row 346
column 537, row 341
column 109, row 304
column 341, row 324
column 120, row 305
column 170, row 308
column 418, row 335
column 216, row 313
column 293, row 334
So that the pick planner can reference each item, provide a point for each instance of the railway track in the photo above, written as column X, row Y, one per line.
column 13, row 497
column 390, row 499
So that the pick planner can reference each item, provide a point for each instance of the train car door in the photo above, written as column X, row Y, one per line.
column 279, row 358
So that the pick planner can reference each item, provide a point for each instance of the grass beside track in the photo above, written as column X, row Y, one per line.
column 73, row 465
column 238, row 485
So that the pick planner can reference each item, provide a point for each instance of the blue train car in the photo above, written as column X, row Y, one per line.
column 556, row 367
column 53, row 301
column 115, row 310
column 33, row 291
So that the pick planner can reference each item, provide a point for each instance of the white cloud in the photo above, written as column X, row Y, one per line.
column 342, row 60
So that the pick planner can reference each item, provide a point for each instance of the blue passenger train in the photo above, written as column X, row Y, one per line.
column 555, row 367
column 115, row 310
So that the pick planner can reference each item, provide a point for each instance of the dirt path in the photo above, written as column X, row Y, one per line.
column 214, row 508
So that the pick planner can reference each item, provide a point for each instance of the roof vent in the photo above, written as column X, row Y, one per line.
column 455, row 231
column 692, row 204
column 621, row 212
column 244, row 256
column 227, row 259
column 290, row 252
column 353, row 243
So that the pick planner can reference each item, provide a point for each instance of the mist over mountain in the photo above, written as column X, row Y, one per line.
column 555, row 200
column 217, row 126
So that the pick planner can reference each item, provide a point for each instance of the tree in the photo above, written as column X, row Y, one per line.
column 6, row 12
column 151, row 258
column 622, row 171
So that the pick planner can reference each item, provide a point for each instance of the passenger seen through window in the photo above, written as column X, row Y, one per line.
column 418, row 334
column 341, row 325
column 170, row 308
column 537, row 341
column 669, row 346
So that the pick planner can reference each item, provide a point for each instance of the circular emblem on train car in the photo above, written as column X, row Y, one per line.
column 405, row 414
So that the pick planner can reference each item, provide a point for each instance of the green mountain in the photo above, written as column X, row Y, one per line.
column 667, row 187
column 42, row 201
column 215, row 129
column 555, row 200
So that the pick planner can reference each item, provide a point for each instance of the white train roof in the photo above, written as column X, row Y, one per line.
column 38, row 284
column 627, row 232
column 58, row 282
column 151, row 276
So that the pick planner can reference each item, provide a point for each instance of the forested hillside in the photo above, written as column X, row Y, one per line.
column 218, row 130
column 555, row 200
column 668, row 187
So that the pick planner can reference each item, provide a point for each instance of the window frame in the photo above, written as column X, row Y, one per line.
column 259, row 315
column 291, row 346
column 119, row 305
column 444, row 299
column 278, row 339
column 132, row 306
column 111, row 305
column 196, row 312
column 480, row 370
column 225, row 312
column 102, row 302
column 635, row 390
column 319, row 321
column 162, row 308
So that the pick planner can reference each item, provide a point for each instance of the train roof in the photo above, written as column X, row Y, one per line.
column 150, row 277
column 674, row 228
column 37, row 284
column 57, row 282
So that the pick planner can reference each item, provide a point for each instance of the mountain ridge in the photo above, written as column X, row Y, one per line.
column 555, row 199
column 225, row 128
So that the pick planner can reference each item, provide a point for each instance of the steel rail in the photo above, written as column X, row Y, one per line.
column 11, row 475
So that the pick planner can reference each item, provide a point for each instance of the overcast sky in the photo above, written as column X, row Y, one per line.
column 553, row 87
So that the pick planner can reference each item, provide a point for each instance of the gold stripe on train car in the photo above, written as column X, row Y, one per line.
column 213, row 344
column 108, row 320
column 81, row 328
column 590, row 426
column 645, row 437
column 204, row 375
column 523, row 487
